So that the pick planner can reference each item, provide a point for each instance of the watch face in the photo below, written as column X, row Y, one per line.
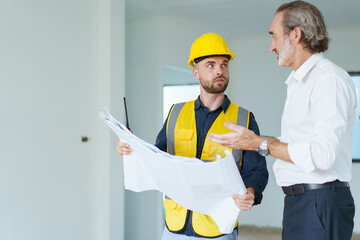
column 263, row 152
column 263, row 148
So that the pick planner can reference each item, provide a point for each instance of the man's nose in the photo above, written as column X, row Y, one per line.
column 272, row 46
column 219, row 70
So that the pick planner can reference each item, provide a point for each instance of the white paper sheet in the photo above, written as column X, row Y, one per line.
column 204, row 187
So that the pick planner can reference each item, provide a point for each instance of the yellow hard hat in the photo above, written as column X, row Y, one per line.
column 209, row 44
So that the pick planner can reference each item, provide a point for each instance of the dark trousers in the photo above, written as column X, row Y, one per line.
column 322, row 214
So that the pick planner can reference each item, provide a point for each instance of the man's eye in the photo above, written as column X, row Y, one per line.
column 210, row 66
column 224, row 65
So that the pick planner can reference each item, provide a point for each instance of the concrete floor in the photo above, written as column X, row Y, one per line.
column 267, row 233
column 259, row 233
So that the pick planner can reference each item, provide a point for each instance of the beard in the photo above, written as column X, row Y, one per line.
column 212, row 88
column 285, row 54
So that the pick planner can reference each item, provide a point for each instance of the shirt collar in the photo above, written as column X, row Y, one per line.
column 225, row 104
column 304, row 69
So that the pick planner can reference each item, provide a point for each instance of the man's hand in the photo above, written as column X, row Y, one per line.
column 123, row 148
column 240, row 138
column 245, row 201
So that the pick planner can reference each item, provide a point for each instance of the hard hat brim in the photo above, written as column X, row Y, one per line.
column 192, row 61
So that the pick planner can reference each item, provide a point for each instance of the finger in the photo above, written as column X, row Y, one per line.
column 240, row 198
column 124, row 152
column 122, row 144
column 236, row 196
column 232, row 126
column 123, row 148
column 219, row 138
column 245, row 206
column 220, row 142
column 243, row 197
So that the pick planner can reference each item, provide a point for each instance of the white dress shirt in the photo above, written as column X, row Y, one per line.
column 317, row 124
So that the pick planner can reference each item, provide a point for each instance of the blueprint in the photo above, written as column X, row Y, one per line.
column 204, row 187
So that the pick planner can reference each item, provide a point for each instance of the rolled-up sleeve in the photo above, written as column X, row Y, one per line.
column 298, row 153
column 330, row 106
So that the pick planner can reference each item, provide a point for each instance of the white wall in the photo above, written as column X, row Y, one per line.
column 117, row 92
column 56, row 73
column 143, row 95
column 256, row 82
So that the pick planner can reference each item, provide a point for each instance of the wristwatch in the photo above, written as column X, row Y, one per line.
column 263, row 148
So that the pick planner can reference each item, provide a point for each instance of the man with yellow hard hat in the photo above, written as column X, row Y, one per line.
column 185, row 134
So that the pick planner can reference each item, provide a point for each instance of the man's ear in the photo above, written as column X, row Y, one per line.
column 196, row 73
column 296, row 35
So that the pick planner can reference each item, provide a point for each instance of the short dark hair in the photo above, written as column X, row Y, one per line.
column 311, row 22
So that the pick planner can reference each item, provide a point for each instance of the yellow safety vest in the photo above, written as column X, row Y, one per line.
column 181, row 141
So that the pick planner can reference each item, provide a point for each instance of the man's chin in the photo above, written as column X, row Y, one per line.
column 217, row 90
column 281, row 63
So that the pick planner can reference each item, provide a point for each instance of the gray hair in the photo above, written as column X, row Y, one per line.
column 311, row 22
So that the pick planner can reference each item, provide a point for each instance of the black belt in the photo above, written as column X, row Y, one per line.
column 302, row 188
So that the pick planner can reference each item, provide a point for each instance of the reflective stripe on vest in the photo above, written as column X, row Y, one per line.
column 182, row 140
column 242, row 120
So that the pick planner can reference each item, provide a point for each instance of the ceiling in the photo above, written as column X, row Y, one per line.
column 239, row 17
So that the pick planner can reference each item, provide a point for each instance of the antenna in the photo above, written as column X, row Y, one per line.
column 127, row 119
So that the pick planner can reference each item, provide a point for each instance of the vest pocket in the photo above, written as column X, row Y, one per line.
column 168, row 203
column 216, row 149
column 205, row 225
column 183, row 142
column 175, row 215
column 185, row 134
